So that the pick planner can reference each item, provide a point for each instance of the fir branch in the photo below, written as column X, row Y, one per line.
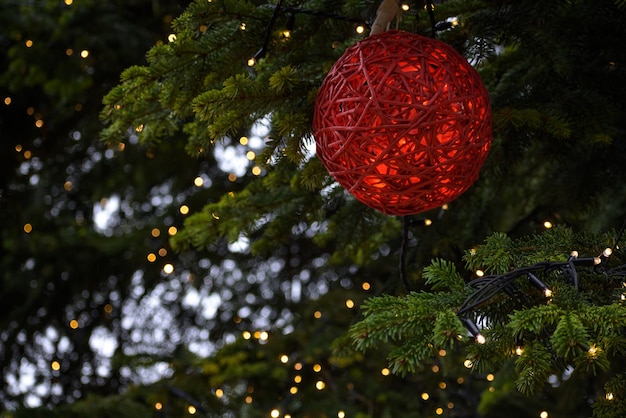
column 533, row 368
column 442, row 275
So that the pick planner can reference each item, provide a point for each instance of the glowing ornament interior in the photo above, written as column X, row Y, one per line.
column 403, row 123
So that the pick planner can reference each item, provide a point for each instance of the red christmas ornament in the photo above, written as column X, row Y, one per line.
column 403, row 123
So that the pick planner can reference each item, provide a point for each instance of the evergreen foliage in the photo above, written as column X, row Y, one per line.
column 278, row 291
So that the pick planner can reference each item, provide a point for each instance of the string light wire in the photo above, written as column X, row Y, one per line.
column 293, row 11
column 488, row 287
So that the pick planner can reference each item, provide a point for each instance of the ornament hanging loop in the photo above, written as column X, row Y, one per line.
column 385, row 14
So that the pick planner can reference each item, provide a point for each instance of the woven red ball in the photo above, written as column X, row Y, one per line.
column 403, row 122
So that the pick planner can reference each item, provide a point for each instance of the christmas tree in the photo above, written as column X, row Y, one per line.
column 508, row 298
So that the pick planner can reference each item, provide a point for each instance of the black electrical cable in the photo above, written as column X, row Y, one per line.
column 403, row 250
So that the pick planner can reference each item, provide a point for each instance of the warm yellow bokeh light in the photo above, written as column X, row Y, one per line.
column 219, row 393
column 69, row 2
column 284, row 358
column 56, row 366
column 232, row 177
column 428, row 222
column 425, row 396
column 158, row 406
column 7, row 100
column 243, row 140
column 349, row 303
column 198, row 182
column 184, row 210
column 155, row 232
column 439, row 411
column 442, row 385
column 191, row 409
column 317, row 314
column 547, row 224
column 293, row 390
column 385, row 372
column 84, row 53
column 28, row 228
column 490, row 377
column 162, row 252
column 74, row 324
column 360, row 29
column 320, row 385
column 366, row 286
column 297, row 378
column 171, row 37
column 317, row 368
column 256, row 170
column 543, row 414
column 172, row 230
column 246, row 335
column 168, row 268
column 151, row 257
column 297, row 366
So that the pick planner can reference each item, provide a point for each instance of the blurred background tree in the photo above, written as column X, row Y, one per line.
column 67, row 270
column 209, row 149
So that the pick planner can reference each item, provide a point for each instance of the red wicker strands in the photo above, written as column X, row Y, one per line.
column 403, row 123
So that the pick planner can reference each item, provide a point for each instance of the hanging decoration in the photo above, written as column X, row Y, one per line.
column 403, row 122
